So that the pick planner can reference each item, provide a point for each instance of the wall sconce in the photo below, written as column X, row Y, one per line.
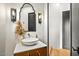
column 13, row 14
column 39, row 18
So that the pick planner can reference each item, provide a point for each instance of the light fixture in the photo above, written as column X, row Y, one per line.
column 13, row 14
column 39, row 18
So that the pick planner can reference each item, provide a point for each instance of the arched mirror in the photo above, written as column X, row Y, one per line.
column 28, row 16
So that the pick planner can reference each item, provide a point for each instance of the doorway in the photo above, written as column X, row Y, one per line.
column 66, row 29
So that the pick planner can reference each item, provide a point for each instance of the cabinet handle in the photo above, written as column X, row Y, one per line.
column 38, row 53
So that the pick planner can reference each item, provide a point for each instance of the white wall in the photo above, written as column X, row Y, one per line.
column 10, row 26
column 10, row 31
column 75, row 26
column 45, row 24
column 55, row 23
column 2, row 29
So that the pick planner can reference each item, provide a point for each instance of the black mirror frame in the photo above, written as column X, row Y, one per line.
column 22, row 8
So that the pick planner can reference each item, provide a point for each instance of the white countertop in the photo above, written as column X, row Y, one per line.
column 21, row 48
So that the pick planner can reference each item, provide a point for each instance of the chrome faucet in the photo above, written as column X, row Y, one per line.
column 28, row 35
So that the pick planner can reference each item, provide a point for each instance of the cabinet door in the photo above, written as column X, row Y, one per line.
column 34, row 53
column 42, row 51
column 39, row 52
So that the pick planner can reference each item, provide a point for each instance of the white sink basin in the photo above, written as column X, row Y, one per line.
column 30, row 41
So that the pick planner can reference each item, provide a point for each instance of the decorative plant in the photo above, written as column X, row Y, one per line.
column 20, row 28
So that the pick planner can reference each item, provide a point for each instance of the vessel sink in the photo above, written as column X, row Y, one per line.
column 30, row 41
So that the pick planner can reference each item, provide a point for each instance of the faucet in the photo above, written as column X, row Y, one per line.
column 36, row 36
column 28, row 35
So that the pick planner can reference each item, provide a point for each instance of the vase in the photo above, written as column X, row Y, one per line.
column 20, row 38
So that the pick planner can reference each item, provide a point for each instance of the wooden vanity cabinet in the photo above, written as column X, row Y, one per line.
column 36, row 52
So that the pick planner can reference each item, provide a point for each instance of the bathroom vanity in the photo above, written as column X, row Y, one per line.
column 40, row 49
column 30, row 45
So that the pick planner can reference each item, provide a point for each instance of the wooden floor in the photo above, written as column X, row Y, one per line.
column 58, row 52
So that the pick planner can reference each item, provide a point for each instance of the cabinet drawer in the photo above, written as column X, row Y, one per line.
column 35, row 52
